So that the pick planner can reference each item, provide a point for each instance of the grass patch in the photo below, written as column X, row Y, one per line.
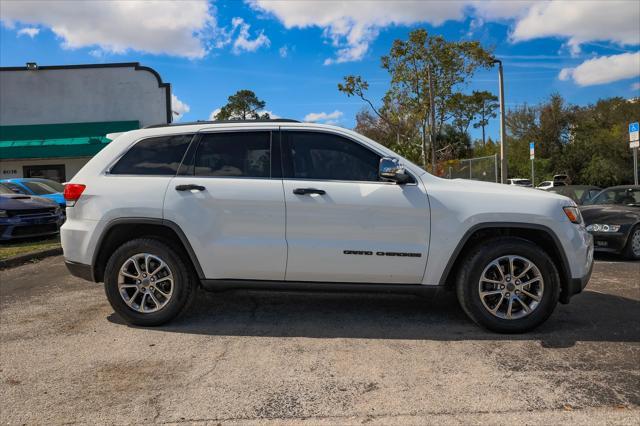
column 8, row 250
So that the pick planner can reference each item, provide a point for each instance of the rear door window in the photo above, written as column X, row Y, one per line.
column 160, row 156
column 234, row 154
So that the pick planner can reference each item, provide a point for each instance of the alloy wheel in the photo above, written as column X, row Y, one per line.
column 511, row 287
column 145, row 283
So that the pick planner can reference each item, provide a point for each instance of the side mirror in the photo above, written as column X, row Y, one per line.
column 391, row 170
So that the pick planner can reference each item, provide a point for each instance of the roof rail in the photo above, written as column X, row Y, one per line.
column 191, row 123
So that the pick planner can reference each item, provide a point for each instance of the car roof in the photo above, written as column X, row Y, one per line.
column 200, row 122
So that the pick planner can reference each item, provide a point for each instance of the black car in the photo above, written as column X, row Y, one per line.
column 23, row 216
column 581, row 194
column 613, row 218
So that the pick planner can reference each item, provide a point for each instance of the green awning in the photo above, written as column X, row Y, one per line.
column 58, row 140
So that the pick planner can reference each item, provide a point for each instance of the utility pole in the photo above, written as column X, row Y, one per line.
column 532, row 156
column 634, row 143
column 503, row 143
column 432, row 127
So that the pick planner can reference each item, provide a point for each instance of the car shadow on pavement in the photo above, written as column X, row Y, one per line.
column 590, row 316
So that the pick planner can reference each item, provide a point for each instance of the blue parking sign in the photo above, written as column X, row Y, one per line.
column 634, row 134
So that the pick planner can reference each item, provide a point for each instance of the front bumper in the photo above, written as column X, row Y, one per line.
column 12, row 228
column 575, row 286
column 80, row 270
column 611, row 242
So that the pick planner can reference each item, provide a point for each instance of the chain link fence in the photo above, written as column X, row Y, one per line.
column 479, row 168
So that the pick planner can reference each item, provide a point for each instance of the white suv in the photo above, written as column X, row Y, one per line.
column 165, row 210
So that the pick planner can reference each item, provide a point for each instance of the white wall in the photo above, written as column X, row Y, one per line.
column 48, row 96
column 13, row 168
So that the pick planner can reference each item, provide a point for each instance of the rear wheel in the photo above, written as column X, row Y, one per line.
column 147, row 283
column 632, row 249
column 508, row 285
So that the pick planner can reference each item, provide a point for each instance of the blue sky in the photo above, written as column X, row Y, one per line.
column 293, row 54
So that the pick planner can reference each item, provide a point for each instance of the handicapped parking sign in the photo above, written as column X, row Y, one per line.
column 634, row 134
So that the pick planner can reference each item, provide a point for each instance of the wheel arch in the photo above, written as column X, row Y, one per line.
column 118, row 231
column 540, row 235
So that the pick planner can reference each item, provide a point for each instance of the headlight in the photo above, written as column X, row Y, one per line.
column 3, row 213
column 597, row 227
column 573, row 214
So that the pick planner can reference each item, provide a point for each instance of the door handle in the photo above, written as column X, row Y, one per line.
column 190, row 187
column 307, row 191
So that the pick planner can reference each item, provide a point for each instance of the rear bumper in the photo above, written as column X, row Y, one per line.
column 80, row 270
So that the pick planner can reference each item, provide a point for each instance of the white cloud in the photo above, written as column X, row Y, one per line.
column 178, row 107
column 28, row 31
column 284, row 51
column 635, row 86
column 179, row 28
column 244, row 41
column 352, row 25
column 323, row 117
column 213, row 114
column 497, row 10
column 604, row 69
column 581, row 22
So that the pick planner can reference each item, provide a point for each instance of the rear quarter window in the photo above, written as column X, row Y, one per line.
column 160, row 155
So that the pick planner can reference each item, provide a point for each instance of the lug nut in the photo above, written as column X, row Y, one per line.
column 507, row 295
column 137, row 281
column 144, row 275
column 152, row 279
column 502, row 287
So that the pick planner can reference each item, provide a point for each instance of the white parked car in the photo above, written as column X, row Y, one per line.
column 547, row 184
column 163, row 211
column 519, row 182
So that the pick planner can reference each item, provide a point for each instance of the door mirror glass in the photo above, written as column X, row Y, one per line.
column 391, row 169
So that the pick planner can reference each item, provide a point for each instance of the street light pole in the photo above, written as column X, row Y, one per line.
column 503, row 143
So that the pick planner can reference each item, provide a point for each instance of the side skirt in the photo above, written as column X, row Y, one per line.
column 312, row 286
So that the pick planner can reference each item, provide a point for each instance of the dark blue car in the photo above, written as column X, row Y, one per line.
column 23, row 216
column 37, row 186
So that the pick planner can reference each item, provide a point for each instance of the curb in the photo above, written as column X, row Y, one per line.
column 14, row 261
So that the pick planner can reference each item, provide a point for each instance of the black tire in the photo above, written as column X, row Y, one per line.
column 184, row 285
column 479, row 257
column 628, row 249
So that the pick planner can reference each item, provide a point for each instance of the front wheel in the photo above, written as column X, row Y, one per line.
column 147, row 282
column 508, row 285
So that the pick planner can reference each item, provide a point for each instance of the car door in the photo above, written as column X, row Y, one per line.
column 230, row 205
column 344, row 224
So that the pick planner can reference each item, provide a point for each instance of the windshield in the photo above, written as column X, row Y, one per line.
column 43, row 187
column 5, row 190
column 619, row 196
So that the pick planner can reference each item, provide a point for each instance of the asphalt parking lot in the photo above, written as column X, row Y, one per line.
column 291, row 358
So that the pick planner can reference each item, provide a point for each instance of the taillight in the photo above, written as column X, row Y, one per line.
column 73, row 191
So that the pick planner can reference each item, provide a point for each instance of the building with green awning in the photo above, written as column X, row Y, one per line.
column 53, row 119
